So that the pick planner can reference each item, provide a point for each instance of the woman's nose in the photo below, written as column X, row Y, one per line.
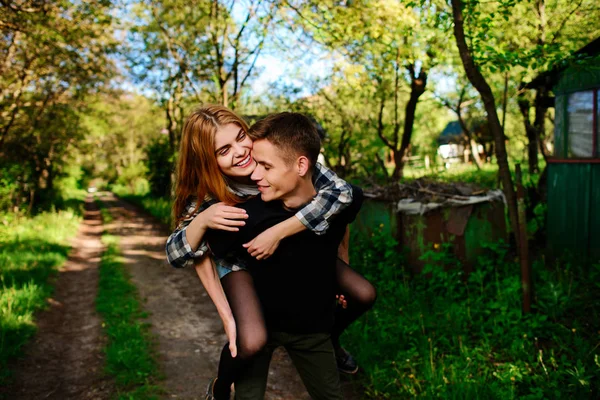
column 238, row 150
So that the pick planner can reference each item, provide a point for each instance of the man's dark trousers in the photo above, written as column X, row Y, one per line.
column 313, row 357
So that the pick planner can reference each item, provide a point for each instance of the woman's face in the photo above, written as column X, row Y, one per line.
column 233, row 150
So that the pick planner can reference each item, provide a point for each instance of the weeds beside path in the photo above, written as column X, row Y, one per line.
column 65, row 359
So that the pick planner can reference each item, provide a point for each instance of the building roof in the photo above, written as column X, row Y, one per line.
column 452, row 133
column 550, row 78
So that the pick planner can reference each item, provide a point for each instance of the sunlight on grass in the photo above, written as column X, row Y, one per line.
column 129, row 353
column 158, row 207
column 31, row 251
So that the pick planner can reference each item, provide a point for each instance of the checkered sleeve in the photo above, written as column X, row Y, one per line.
column 333, row 195
column 179, row 252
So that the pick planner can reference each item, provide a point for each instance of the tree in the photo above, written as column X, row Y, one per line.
column 396, row 46
column 550, row 32
column 196, row 51
column 52, row 54
column 479, row 82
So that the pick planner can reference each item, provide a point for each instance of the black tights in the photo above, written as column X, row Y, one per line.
column 359, row 294
column 250, row 323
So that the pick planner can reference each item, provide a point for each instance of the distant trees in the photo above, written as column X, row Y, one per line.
column 196, row 51
column 393, row 46
column 52, row 55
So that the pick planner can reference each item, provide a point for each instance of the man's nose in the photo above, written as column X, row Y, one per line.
column 256, row 174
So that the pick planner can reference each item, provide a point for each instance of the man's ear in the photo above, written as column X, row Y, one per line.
column 303, row 165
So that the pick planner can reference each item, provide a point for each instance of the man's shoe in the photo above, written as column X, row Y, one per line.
column 345, row 362
column 210, row 390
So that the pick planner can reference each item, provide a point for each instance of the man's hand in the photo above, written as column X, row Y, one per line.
column 229, row 325
column 223, row 217
column 265, row 244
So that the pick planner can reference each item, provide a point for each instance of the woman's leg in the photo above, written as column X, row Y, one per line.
column 250, row 326
column 359, row 294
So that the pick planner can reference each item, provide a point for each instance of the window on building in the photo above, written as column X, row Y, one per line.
column 597, row 123
column 580, row 131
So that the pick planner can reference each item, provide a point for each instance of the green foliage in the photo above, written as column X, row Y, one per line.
column 441, row 334
column 132, row 179
column 31, row 251
column 52, row 54
column 158, row 207
column 9, row 188
column 159, row 162
column 129, row 354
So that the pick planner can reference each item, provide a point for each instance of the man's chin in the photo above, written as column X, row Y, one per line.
column 268, row 196
column 265, row 197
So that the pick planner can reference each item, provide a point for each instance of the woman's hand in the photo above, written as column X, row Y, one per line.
column 223, row 217
column 265, row 244
column 341, row 300
column 230, row 331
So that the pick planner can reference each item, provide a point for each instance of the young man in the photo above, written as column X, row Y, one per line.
column 296, row 285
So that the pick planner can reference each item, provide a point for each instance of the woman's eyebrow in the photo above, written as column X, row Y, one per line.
column 222, row 148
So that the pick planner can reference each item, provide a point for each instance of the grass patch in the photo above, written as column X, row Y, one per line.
column 486, row 177
column 32, row 249
column 129, row 352
column 444, row 335
column 158, row 207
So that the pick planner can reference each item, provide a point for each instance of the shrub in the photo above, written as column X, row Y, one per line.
column 159, row 163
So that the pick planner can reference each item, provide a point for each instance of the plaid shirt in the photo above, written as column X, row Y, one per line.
column 334, row 194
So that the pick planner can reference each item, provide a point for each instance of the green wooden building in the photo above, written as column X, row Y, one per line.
column 573, row 224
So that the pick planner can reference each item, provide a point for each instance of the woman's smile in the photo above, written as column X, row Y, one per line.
column 245, row 163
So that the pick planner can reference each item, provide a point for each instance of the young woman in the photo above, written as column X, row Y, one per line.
column 215, row 164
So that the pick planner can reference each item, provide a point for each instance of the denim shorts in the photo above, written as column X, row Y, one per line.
column 222, row 271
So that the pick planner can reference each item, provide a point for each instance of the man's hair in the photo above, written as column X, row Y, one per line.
column 293, row 133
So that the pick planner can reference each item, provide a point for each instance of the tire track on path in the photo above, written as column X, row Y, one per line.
column 65, row 358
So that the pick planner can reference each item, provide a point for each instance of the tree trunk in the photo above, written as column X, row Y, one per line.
column 539, row 123
column 417, row 88
column 472, row 142
column 530, row 132
column 479, row 82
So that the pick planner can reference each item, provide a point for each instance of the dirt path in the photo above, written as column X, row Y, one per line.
column 65, row 359
column 183, row 318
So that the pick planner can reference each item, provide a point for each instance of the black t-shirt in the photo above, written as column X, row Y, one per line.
column 296, row 285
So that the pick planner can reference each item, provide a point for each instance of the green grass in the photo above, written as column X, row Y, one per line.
column 129, row 352
column 158, row 207
column 32, row 249
column 486, row 177
column 441, row 334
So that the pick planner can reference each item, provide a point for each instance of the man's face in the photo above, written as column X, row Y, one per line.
column 276, row 179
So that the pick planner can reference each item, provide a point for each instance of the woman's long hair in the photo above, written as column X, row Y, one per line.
column 198, row 174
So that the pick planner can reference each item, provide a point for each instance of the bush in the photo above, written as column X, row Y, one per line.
column 9, row 189
column 31, row 251
column 132, row 180
column 159, row 162
column 441, row 334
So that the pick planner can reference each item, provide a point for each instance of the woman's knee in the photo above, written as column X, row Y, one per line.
column 368, row 295
column 250, row 345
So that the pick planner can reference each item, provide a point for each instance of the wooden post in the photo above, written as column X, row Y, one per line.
column 523, row 243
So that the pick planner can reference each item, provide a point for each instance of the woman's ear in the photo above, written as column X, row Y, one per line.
column 303, row 165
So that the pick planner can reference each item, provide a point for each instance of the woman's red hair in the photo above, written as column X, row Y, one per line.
column 198, row 174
